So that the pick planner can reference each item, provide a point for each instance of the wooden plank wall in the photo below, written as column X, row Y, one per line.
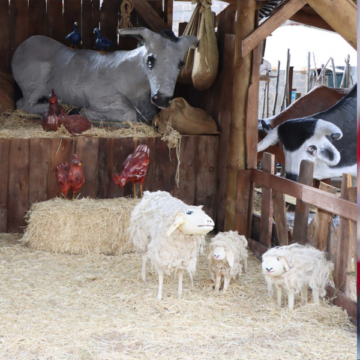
column 21, row 19
column 27, row 171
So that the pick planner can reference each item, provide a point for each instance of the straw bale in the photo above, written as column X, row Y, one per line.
column 58, row 306
column 81, row 226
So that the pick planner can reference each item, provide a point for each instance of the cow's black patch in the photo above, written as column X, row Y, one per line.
column 168, row 34
column 293, row 133
column 328, row 154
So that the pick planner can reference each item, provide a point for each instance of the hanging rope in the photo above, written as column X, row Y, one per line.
column 126, row 8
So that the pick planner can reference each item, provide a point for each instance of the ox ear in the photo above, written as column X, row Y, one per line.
column 179, row 220
column 141, row 33
column 326, row 128
column 270, row 139
column 188, row 42
column 230, row 257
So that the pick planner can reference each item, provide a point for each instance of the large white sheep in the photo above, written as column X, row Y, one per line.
column 227, row 257
column 169, row 233
column 294, row 268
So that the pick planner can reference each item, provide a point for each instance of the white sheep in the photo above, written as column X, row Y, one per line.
column 227, row 257
column 294, row 268
column 169, row 233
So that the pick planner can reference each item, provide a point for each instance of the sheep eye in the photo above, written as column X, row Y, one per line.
column 150, row 61
column 189, row 212
column 277, row 259
column 312, row 150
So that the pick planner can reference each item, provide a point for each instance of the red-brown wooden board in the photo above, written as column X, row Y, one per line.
column 95, row 20
column 19, row 23
column 87, row 26
column 4, row 36
column 206, row 164
column 61, row 152
column 105, row 166
column 109, row 18
column 164, row 174
column 187, row 187
column 87, row 148
column 18, row 196
column 4, row 177
column 39, row 169
column 243, row 192
column 37, row 16
column 149, row 183
column 54, row 20
column 122, row 149
column 72, row 13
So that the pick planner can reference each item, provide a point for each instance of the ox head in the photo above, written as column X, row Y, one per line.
column 162, row 60
column 304, row 139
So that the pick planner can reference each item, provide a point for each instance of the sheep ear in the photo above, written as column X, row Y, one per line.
column 179, row 219
column 230, row 257
column 210, row 255
column 285, row 264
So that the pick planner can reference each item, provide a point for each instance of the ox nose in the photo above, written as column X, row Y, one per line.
column 292, row 176
column 160, row 100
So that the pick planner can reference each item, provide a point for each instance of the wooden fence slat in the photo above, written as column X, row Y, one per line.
column 280, row 218
column 224, row 128
column 19, row 23
column 54, row 20
column 105, row 166
column 72, row 13
column 268, row 164
column 149, row 183
column 4, row 181
column 95, row 20
column 352, row 257
column 206, row 164
column 109, row 18
column 343, row 248
column 39, row 169
column 18, row 196
column 123, row 147
column 308, row 194
column 4, row 36
column 188, row 172
column 37, row 16
column 87, row 27
column 244, row 193
column 303, row 209
column 87, row 148
column 61, row 151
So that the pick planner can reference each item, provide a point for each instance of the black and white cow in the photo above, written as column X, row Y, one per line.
column 328, row 138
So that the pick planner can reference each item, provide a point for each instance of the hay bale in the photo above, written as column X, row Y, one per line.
column 80, row 226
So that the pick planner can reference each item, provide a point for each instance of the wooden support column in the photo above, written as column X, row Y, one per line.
column 337, row 13
column 242, row 72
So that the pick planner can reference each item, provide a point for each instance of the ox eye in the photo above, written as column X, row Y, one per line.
column 189, row 212
column 150, row 61
column 181, row 64
column 312, row 150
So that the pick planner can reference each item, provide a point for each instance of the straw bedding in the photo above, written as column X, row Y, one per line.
column 80, row 226
column 57, row 306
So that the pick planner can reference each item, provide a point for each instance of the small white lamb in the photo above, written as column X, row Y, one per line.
column 169, row 233
column 227, row 257
column 294, row 268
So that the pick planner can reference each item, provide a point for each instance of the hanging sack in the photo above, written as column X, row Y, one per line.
column 191, row 29
column 206, row 59
column 185, row 119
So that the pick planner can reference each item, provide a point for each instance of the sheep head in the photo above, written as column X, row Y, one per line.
column 193, row 221
column 274, row 265
column 220, row 253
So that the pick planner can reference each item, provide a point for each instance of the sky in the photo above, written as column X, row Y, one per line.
column 301, row 40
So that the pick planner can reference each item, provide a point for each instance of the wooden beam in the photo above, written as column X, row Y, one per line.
column 279, row 214
column 257, row 248
column 308, row 194
column 242, row 71
column 341, row 15
column 149, row 15
column 310, row 19
column 266, row 28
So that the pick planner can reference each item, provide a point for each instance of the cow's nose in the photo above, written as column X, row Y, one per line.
column 291, row 176
column 160, row 100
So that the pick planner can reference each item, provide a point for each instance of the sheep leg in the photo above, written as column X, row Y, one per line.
column 143, row 269
column 279, row 291
column 304, row 295
column 291, row 299
column 134, row 190
column 217, row 281
column 226, row 283
column 315, row 293
column 181, row 272
column 161, row 281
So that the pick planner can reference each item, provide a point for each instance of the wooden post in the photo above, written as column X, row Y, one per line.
column 308, row 74
column 291, row 74
column 276, row 88
column 242, row 70
column 303, row 209
column 280, row 217
column 337, row 13
column 266, row 203
column 352, row 196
